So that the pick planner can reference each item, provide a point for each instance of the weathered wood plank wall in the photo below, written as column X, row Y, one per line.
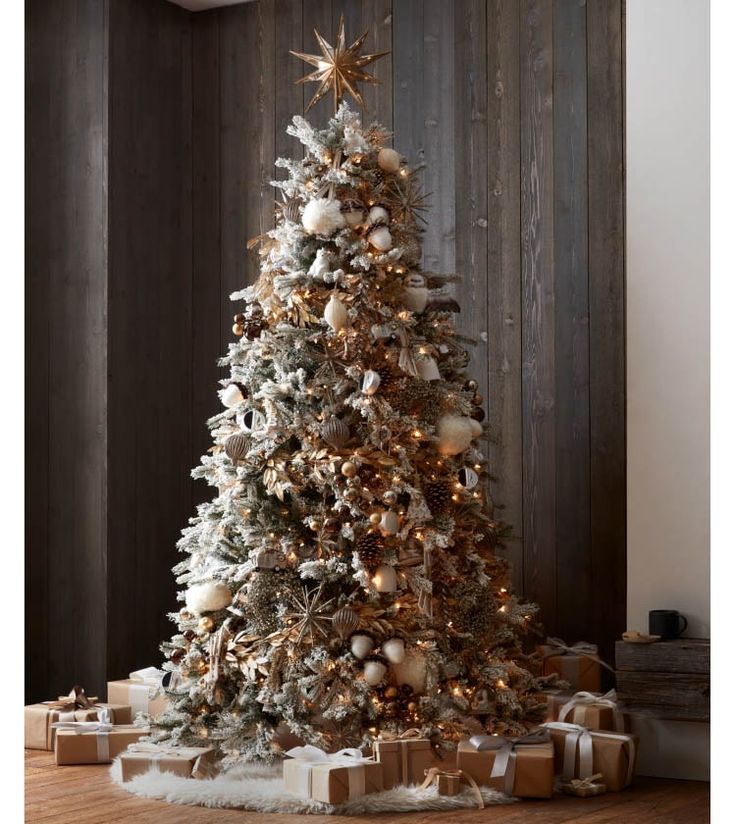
column 516, row 110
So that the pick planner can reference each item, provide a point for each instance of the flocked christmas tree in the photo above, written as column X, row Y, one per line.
column 343, row 580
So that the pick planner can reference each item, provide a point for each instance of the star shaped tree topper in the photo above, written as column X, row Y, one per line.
column 339, row 68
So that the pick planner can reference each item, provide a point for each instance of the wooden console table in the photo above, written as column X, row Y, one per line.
column 667, row 679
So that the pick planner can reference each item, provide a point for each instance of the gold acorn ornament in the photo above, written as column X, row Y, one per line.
column 335, row 432
column 345, row 621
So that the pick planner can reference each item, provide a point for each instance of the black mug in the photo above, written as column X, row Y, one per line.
column 666, row 623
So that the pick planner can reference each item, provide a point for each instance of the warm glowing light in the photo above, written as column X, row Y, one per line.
column 416, row 433
column 501, row 684
column 503, row 590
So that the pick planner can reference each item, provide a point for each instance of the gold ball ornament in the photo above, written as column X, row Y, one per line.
column 349, row 469
column 238, row 329
column 389, row 160
column 314, row 525
column 390, row 497
column 206, row 624
column 375, row 518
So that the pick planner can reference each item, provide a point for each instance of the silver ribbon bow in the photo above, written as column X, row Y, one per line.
column 579, row 744
column 558, row 647
column 504, row 764
column 576, row 706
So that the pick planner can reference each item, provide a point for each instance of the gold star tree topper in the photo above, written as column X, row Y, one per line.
column 339, row 68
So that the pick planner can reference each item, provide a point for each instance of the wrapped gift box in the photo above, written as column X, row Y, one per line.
column 405, row 759
column 579, row 664
column 580, row 753
column 555, row 700
column 93, row 746
column 188, row 762
column 38, row 718
column 594, row 711
column 142, row 690
column 448, row 783
column 333, row 779
column 522, row 767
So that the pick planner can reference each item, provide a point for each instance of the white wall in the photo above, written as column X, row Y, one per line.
column 667, row 304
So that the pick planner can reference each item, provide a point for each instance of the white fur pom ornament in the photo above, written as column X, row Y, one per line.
column 336, row 314
column 208, row 597
column 323, row 217
column 389, row 160
column 455, row 433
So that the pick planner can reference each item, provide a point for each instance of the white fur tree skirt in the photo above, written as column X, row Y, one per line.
column 261, row 789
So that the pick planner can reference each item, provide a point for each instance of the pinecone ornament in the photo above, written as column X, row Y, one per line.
column 369, row 550
column 438, row 497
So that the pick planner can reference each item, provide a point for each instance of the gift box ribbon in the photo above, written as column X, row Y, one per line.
column 147, row 680
column 579, row 739
column 310, row 759
column 433, row 774
column 157, row 752
column 588, row 783
column 574, row 710
column 556, row 646
column 67, row 705
column 100, row 728
column 504, row 764
column 402, row 740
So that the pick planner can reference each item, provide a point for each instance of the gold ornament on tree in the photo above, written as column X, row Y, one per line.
column 310, row 615
column 339, row 68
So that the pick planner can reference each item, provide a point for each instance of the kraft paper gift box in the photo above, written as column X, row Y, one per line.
column 311, row 773
column 593, row 711
column 142, row 690
column 578, row 664
column 581, row 753
column 97, row 744
column 448, row 783
column 555, row 700
column 38, row 718
column 188, row 762
column 405, row 759
column 522, row 767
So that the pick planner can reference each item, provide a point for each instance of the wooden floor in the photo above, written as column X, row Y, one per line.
column 85, row 795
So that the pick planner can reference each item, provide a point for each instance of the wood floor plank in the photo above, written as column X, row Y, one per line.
column 86, row 795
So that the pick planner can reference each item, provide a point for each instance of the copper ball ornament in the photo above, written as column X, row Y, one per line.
column 236, row 447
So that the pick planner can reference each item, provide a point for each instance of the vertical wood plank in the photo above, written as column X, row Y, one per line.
column 471, row 177
column 538, row 336
column 438, row 112
column 607, row 329
column 504, row 279
column 207, row 292
column 408, row 81
column 240, row 155
column 287, row 69
column 376, row 18
column 571, row 317
column 66, row 352
column 316, row 14
column 149, row 311
column 267, row 81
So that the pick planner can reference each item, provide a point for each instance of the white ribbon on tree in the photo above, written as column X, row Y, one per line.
column 310, row 759
column 579, row 740
column 574, row 710
column 101, row 728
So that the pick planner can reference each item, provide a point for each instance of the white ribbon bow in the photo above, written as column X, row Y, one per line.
column 149, row 675
column 101, row 728
column 575, row 707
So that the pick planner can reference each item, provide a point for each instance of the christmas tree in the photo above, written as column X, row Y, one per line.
column 343, row 581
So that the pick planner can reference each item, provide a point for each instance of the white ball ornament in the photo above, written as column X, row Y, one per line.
column 428, row 369
column 389, row 522
column 380, row 239
column 374, row 672
column 412, row 670
column 323, row 217
column 370, row 383
column 336, row 314
column 378, row 213
column 394, row 650
column 384, row 578
column 389, row 160
column 455, row 433
column 231, row 395
column 208, row 597
column 361, row 645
